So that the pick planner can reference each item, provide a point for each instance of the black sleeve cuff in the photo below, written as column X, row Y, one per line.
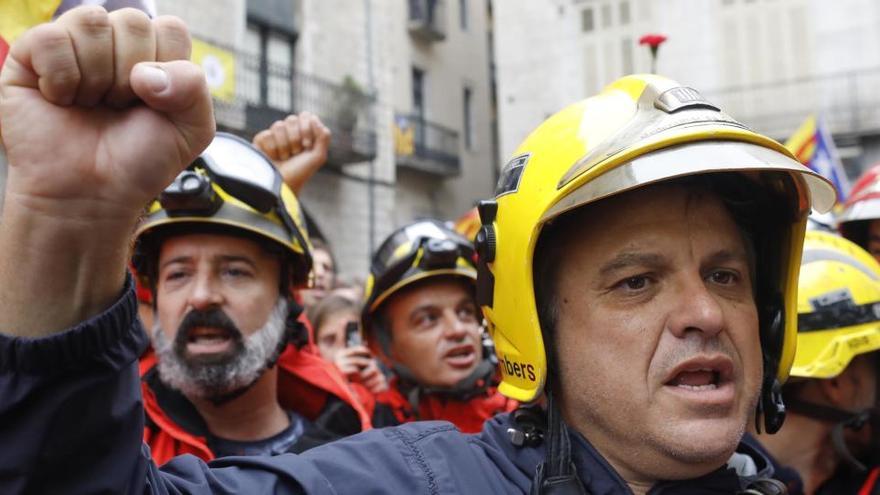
column 111, row 340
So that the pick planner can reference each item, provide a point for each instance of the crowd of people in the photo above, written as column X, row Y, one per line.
column 644, row 307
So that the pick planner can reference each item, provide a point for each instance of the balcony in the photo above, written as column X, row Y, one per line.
column 270, row 91
column 848, row 101
column 426, row 147
column 427, row 19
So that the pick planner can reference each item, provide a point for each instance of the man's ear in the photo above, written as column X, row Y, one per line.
column 843, row 391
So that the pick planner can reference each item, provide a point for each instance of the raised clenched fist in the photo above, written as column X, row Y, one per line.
column 98, row 112
column 297, row 145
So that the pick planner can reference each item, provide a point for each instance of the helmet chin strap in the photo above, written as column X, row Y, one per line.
column 557, row 475
column 468, row 387
column 842, row 420
column 771, row 407
column 465, row 389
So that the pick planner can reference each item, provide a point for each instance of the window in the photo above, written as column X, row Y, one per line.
column 418, row 97
column 587, row 20
column 418, row 92
column 624, row 12
column 626, row 56
column 462, row 14
column 467, row 125
column 606, row 15
column 268, row 68
column 279, row 53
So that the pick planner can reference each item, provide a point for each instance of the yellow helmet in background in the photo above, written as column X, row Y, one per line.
column 838, row 306
column 639, row 130
column 230, row 188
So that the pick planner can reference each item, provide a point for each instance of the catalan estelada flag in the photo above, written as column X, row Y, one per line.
column 813, row 146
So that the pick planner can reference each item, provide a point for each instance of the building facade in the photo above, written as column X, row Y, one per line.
column 769, row 63
column 403, row 85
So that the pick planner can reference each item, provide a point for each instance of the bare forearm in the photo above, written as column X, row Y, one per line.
column 57, row 271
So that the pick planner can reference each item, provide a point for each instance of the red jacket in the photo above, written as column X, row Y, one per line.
column 871, row 485
column 468, row 415
column 307, row 385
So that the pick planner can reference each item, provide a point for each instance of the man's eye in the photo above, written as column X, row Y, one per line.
column 467, row 313
column 426, row 320
column 236, row 272
column 636, row 283
column 176, row 275
column 724, row 277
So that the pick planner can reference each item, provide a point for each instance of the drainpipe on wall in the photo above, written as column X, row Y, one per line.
column 371, row 81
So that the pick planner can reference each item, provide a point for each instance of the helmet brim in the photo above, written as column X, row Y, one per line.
column 695, row 158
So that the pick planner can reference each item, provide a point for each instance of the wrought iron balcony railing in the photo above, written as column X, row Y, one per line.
column 425, row 146
column 271, row 91
column 427, row 19
column 848, row 102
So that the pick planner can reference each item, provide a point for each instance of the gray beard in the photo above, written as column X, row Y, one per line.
column 216, row 381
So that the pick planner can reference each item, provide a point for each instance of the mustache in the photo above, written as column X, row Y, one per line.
column 213, row 318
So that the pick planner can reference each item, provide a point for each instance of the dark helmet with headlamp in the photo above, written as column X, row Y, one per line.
column 420, row 251
column 230, row 188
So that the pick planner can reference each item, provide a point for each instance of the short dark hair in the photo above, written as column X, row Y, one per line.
column 739, row 195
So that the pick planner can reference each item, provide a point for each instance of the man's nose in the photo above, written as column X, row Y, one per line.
column 205, row 293
column 455, row 327
column 697, row 309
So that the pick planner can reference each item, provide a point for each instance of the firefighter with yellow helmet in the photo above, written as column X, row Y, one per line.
column 830, row 440
column 638, row 268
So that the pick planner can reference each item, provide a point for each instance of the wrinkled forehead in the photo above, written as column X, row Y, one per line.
column 210, row 245
column 439, row 292
column 651, row 217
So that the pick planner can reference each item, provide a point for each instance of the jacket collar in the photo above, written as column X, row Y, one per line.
column 599, row 476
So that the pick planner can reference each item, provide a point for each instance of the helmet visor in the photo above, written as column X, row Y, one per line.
column 242, row 171
column 691, row 159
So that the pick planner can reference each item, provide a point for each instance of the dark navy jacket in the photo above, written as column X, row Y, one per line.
column 71, row 421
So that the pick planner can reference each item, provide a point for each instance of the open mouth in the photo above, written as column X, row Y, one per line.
column 699, row 379
column 462, row 356
column 209, row 340
column 704, row 379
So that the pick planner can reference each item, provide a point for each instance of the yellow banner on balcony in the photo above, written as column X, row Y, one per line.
column 219, row 66
column 403, row 137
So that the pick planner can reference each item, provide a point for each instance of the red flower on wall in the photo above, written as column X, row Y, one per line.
column 653, row 41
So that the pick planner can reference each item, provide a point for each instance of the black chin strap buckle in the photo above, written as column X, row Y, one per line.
column 771, row 407
column 529, row 429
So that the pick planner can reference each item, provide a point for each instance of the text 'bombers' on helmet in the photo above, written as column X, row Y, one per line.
column 639, row 130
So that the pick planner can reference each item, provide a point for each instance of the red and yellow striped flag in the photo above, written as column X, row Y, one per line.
column 813, row 146
column 16, row 16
